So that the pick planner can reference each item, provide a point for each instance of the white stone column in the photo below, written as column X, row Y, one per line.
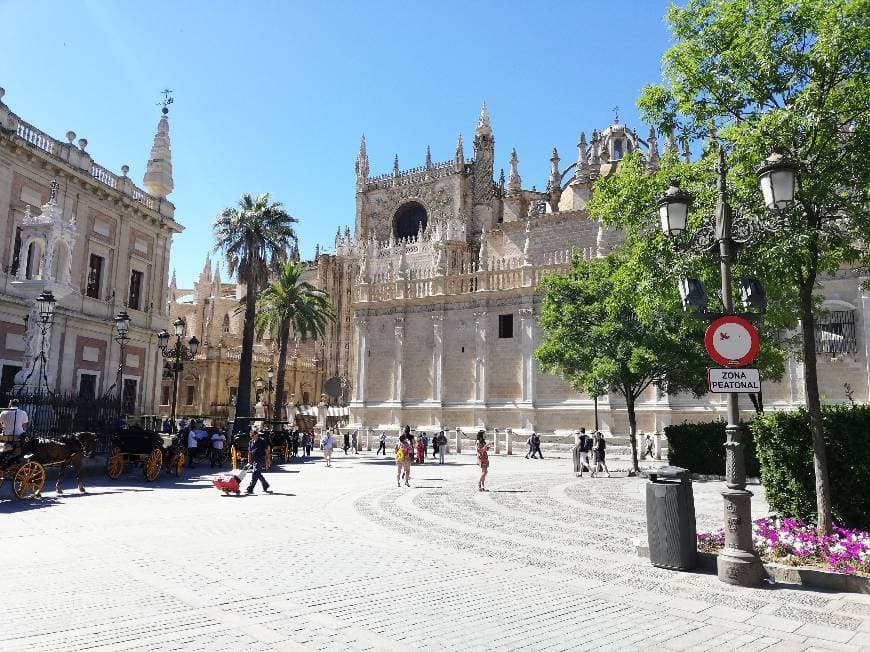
column 362, row 359
column 480, row 356
column 397, row 359
column 437, row 358
column 527, row 346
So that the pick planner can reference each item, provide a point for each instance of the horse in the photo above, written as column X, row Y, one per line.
column 64, row 452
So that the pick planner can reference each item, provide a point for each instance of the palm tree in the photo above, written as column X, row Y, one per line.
column 291, row 302
column 255, row 237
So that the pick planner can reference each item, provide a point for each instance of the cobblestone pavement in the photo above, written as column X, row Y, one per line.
column 341, row 559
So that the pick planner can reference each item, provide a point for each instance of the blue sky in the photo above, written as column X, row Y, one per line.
column 273, row 96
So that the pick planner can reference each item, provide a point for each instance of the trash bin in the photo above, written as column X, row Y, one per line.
column 670, row 519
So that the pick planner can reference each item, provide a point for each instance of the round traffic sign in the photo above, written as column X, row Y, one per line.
column 731, row 341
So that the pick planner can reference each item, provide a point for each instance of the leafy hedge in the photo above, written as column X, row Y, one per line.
column 785, row 451
column 700, row 447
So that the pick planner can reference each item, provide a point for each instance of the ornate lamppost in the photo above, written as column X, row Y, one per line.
column 176, row 356
column 45, row 304
column 122, row 325
column 261, row 384
column 738, row 562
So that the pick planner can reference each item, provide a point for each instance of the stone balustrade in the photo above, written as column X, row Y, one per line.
column 506, row 274
column 76, row 157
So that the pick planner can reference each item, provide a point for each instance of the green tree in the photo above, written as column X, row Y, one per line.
column 790, row 76
column 596, row 338
column 255, row 237
column 289, row 302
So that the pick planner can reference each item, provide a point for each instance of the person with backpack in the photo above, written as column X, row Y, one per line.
column 599, row 446
column 536, row 446
column 404, row 453
column 581, row 453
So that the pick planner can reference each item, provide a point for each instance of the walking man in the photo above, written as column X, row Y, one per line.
column 353, row 441
column 581, row 453
column 442, row 446
column 258, row 458
column 382, row 445
column 346, row 442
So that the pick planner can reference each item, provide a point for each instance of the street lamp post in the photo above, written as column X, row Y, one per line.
column 176, row 356
column 737, row 563
column 270, row 374
column 122, row 325
column 45, row 304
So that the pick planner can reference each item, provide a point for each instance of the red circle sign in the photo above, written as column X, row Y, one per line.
column 731, row 341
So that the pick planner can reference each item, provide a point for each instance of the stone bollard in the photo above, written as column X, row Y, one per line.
column 495, row 441
column 509, row 444
column 458, row 440
column 369, row 439
column 657, row 446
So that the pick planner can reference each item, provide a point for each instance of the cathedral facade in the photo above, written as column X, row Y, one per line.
column 439, row 323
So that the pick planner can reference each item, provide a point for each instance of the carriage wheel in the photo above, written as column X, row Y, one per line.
column 115, row 465
column 153, row 464
column 179, row 463
column 28, row 480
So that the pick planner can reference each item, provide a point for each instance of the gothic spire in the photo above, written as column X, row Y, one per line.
column 483, row 122
column 396, row 166
column 514, row 181
column 459, row 159
column 362, row 160
column 652, row 144
column 582, row 170
column 428, row 158
column 158, row 171
column 555, row 181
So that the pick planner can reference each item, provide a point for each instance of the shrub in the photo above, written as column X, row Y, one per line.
column 785, row 451
column 700, row 447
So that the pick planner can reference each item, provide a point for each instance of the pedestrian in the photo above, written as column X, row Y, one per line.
column 581, row 453
column 382, row 445
column 167, row 426
column 346, row 442
column 442, row 447
column 194, row 435
column 435, row 439
column 599, row 446
column 258, row 458
column 182, row 424
column 425, row 443
column 327, row 444
column 353, row 441
column 536, row 442
column 647, row 447
column 294, row 442
column 217, row 448
column 13, row 422
column 403, row 454
column 421, row 448
column 530, row 442
column 482, row 459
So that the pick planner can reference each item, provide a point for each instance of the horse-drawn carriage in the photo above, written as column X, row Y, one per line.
column 24, row 460
column 137, row 447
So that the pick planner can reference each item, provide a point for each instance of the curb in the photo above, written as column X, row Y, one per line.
column 815, row 578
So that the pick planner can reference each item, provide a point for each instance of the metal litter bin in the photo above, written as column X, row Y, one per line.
column 670, row 519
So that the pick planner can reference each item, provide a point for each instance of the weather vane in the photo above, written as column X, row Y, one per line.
column 167, row 100
column 615, row 113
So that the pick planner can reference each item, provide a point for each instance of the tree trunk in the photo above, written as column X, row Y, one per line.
column 632, row 430
column 814, row 405
column 243, row 397
column 283, row 339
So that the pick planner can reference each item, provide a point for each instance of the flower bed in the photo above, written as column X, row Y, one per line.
column 794, row 543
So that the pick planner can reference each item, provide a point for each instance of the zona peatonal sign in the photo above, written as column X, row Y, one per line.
column 728, row 381
column 731, row 341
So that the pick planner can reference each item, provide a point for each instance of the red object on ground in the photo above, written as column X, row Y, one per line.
column 231, row 483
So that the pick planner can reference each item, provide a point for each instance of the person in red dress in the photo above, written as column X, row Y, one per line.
column 482, row 459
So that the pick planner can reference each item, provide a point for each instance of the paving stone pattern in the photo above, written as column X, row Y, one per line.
column 342, row 559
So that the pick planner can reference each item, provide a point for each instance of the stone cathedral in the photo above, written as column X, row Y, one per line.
column 435, row 291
